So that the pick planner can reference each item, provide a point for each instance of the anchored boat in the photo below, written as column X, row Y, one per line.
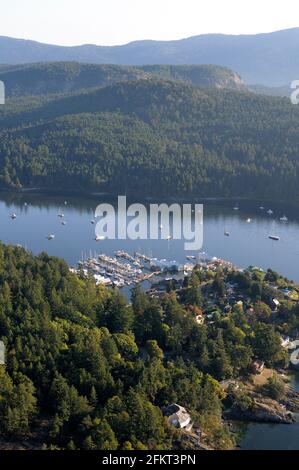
column 274, row 237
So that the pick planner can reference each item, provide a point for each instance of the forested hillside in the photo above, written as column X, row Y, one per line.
column 153, row 137
column 65, row 77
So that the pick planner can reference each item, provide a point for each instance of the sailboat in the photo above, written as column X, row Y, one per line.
column 274, row 236
column 284, row 218
column 60, row 214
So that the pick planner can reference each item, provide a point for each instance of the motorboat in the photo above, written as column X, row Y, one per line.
column 276, row 238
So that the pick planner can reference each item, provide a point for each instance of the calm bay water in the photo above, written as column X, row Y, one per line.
column 248, row 244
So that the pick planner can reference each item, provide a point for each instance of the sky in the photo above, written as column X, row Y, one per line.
column 112, row 22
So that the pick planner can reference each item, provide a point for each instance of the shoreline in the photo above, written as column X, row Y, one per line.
column 44, row 191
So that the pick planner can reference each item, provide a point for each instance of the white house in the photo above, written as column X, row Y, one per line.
column 178, row 417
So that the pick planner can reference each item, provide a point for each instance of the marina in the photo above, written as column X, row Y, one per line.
column 124, row 269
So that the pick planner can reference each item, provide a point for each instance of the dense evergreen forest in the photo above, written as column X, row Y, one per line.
column 86, row 370
column 65, row 77
column 152, row 137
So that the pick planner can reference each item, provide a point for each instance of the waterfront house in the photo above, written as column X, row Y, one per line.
column 178, row 417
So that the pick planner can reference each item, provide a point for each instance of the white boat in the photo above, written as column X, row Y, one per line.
column 284, row 218
column 236, row 208
column 270, row 212
column 168, row 238
column 249, row 221
column 161, row 227
column 226, row 233
column 100, row 238
column 60, row 214
column 65, row 203
column 276, row 238
column 51, row 236
column 13, row 216
column 63, row 222
column 262, row 208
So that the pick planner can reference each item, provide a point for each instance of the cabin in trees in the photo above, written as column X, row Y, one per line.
column 2, row 353
column 178, row 417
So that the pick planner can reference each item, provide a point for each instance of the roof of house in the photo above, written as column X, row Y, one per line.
column 177, row 415
column 2, row 353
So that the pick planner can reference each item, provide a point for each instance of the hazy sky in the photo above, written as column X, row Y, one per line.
column 109, row 22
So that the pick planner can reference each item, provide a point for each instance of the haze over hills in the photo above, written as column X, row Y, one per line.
column 65, row 77
column 268, row 59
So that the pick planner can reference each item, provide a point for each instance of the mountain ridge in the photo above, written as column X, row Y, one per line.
column 65, row 77
column 269, row 59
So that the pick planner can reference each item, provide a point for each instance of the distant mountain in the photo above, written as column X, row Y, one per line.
column 272, row 91
column 66, row 77
column 268, row 59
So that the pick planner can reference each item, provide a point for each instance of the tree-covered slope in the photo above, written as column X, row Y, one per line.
column 65, row 77
column 87, row 369
column 153, row 137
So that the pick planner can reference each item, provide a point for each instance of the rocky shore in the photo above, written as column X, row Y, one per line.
column 263, row 410
column 267, row 410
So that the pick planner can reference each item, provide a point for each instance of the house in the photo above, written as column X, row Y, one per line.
column 257, row 367
column 178, row 417
column 275, row 304
column 200, row 319
column 2, row 353
column 285, row 341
